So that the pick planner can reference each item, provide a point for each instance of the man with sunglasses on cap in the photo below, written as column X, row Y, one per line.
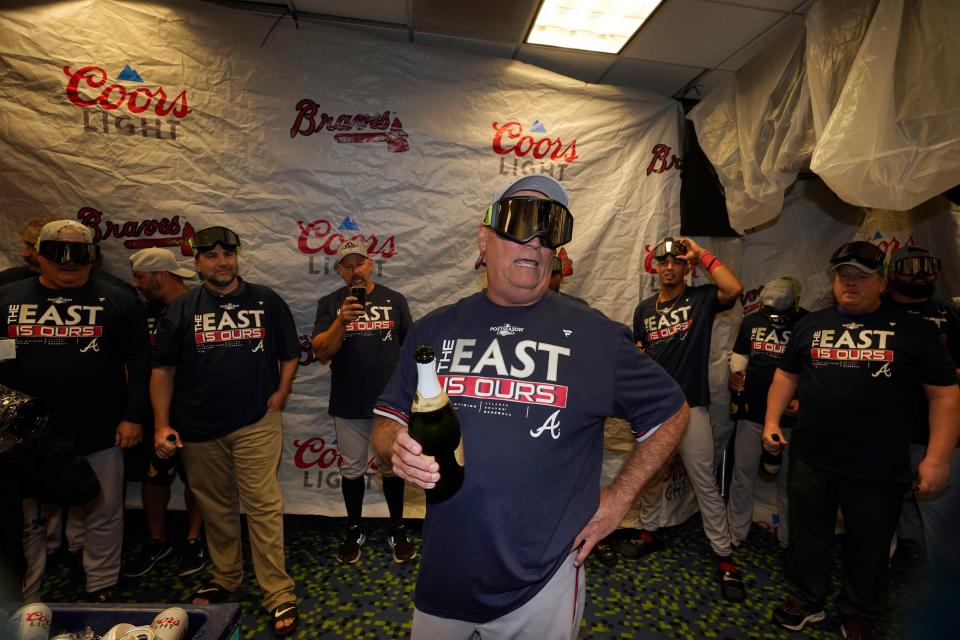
column 674, row 327
column 858, row 366
column 361, row 339
column 81, row 345
column 759, row 345
column 223, row 367
column 503, row 557
column 160, row 279
column 913, row 278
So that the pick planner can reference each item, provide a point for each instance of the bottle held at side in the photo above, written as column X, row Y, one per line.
column 162, row 466
column 771, row 460
column 434, row 424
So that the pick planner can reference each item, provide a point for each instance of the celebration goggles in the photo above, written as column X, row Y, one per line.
column 206, row 239
column 521, row 219
column 867, row 256
column 62, row 252
column 670, row 247
column 919, row 265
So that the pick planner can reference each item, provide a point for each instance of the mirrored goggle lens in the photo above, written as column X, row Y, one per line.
column 869, row 255
column 669, row 248
column 207, row 239
column 64, row 252
column 522, row 219
column 926, row 265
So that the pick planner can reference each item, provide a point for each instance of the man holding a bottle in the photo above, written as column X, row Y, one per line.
column 858, row 366
column 532, row 376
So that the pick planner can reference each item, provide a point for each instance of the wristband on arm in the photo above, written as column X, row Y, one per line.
column 709, row 261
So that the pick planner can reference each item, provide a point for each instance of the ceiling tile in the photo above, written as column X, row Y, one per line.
column 698, row 33
column 776, row 5
column 707, row 83
column 574, row 64
column 750, row 51
column 664, row 79
column 497, row 20
column 394, row 11
column 478, row 47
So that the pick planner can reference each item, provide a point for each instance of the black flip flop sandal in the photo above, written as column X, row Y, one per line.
column 286, row 611
column 213, row 593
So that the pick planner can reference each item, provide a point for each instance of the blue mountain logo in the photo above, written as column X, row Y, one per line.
column 537, row 127
column 348, row 225
column 129, row 74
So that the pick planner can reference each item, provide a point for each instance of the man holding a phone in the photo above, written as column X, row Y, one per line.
column 359, row 329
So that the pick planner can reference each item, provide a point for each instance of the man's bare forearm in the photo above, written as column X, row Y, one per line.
column 383, row 435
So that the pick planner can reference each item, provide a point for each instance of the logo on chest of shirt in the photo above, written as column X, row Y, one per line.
column 767, row 340
column 525, row 373
column 374, row 318
column 73, row 321
column 667, row 323
column 851, row 345
column 230, row 326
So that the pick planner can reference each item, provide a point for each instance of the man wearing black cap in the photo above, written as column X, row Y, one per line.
column 858, row 366
column 913, row 278
column 361, row 339
column 503, row 557
column 226, row 356
column 674, row 327
column 760, row 343
column 75, row 336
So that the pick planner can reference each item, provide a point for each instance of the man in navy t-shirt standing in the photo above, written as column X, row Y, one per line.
column 674, row 327
column 858, row 366
column 532, row 375
column 361, row 339
column 226, row 356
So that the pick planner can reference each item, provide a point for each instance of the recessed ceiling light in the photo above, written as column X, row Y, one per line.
column 589, row 25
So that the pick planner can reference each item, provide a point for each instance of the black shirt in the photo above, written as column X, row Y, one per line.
column 77, row 349
column 370, row 348
column 859, row 376
column 226, row 349
column 676, row 334
column 763, row 341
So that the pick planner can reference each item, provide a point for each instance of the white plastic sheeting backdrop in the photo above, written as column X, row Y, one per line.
column 149, row 121
column 864, row 93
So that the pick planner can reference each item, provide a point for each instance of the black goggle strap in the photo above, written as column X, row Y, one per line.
column 928, row 265
column 206, row 239
column 521, row 219
column 64, row 252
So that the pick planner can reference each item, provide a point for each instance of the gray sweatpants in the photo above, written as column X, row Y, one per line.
column 745, row 467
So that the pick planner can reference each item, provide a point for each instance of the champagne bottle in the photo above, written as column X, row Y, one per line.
column 162, row 466
column 434, row 425
column 771, row 461
column 738, row 406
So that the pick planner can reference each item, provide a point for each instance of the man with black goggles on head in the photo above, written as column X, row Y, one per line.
column 223, row 367
column 859, row 366
column 81, row 345
column 913, row 277
column 674, row 327
column 503, row 557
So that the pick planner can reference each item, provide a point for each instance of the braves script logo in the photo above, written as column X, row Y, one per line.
column 750, row 300
column 385, row 131
column 893, row 244
column 170, row 230
column 662, row 160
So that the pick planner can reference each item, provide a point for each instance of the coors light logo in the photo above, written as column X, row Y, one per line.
column 124, row 109
column 321, row 239
column 533, row 150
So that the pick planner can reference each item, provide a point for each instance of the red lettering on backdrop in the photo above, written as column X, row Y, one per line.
column 390, row 132
column 169, row 227
column 95, row 77
column 316, row 236
column 505, row 134
column 315, row 453
column 662, row 160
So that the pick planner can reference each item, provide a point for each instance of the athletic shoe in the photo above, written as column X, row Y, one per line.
column 349, row 550
column 192, row 558
column 731, row 585
column 856, row 628
column 102, row 596
column 605, row 553
column 641, row 543
column 154, row 552
column 794, row 616
column 402, row 546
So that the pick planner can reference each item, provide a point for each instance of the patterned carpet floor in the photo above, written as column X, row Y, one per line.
column 670, row 594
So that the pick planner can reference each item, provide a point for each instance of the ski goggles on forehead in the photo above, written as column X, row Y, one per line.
column 670, row 248
column 64, row 252
column 207, row 239
column 920, row 265
column 522, row 219
column 861, row 252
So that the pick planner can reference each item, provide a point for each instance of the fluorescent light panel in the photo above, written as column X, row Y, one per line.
column 589, row 25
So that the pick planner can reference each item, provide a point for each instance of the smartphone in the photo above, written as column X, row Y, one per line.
column 360, row 293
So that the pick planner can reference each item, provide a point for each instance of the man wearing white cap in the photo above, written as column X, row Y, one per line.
column 858, row 366
column 82, row 346
column 359, row 329
column 504, row 556
column 160, row 278
column 760, row 343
